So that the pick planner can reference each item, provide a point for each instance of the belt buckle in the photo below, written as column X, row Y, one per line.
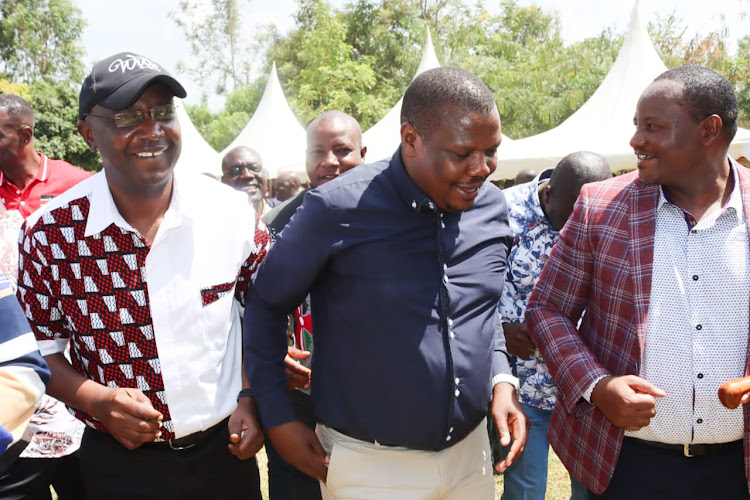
column 686, row 450
column 178, row 448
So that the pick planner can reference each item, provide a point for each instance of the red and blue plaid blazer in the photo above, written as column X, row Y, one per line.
column 602, row 264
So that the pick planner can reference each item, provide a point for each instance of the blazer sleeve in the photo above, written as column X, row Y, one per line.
column 555, row 307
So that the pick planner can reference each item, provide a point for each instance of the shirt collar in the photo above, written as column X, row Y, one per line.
column 42, row 173
column 103, row 212
column 734, row 201
column 412, row 195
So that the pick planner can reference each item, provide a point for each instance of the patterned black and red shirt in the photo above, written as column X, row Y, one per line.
column 163, row 318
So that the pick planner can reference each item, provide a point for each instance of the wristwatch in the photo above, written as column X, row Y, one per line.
column 245, row 393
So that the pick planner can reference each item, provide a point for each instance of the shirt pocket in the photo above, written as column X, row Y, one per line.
column 218, row 311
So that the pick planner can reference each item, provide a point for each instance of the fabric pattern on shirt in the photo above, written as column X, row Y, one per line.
column 697, row 327
column 532, row 244
column 101, row 288
column 93, row 290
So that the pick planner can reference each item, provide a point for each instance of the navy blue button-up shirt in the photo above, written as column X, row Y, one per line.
column 404, row 301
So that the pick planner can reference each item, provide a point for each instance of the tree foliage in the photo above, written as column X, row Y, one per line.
column 40, row 60
column 40, row 39
column 361, row 57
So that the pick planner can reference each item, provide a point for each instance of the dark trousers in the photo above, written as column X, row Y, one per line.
column 645, row 472
column 30, row 479
column 154, row 471
column 285, row 482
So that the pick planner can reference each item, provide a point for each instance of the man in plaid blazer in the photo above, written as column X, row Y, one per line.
column 660, row 262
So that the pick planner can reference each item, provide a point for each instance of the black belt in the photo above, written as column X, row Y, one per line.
column 360, row 436
column 193, row 439
column 691, row 450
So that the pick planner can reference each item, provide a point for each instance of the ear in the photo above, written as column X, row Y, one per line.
column 85, row 130
column 26, row 133
column 711, row 128
column 362, row 153
column 411, row 141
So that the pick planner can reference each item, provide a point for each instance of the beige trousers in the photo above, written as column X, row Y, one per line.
column 365, row 471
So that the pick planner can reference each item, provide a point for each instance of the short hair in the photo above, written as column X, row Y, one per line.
column 706, row 93
column 432, row 90
column 577, row 169
column 17, row 107
column 336, row 115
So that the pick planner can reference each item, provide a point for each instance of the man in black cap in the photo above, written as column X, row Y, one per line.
column 118, row 266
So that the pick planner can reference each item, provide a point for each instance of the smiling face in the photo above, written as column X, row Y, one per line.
column 140, row 159
column 456, row 157
column 334, row 145
column 667, row 139
column 243, row 170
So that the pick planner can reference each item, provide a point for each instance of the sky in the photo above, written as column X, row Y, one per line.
column 122, row 26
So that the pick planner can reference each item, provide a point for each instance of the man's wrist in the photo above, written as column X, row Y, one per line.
column 506, row 378
column 245, row 393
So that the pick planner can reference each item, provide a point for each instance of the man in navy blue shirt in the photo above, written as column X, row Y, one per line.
column 404, row 260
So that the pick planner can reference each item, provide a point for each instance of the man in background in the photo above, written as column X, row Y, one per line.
column 242, row 169
column 334, row 146
column 28, row 179
column 286, row 187
column 538, row 210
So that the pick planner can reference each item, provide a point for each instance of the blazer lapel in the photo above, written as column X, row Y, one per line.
column 642, row 221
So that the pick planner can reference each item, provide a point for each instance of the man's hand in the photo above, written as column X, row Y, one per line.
column 129, row 416
column 297, row 376
column 245, row 435
column 510, row 421
column 299, row 446
column 518, row 341
column 627, row 401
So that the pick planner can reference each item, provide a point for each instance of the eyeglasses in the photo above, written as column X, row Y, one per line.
column 126, row 119
column 252, row 169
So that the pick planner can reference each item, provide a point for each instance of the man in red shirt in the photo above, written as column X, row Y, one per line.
column 28, row 179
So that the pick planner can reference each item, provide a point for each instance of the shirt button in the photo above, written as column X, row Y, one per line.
column 700, row 375
column 458, row 381
column 442, row 224
column 458, row 392
column 18, row 191
column 695, row 277
column 452, row 335
column 699, row 327
column 450, row 322
column 445, row 267
column 448, row 438
column 431, row 205
column 445, row 278
column 23, row 203
column 700, row 421
column 413, row 204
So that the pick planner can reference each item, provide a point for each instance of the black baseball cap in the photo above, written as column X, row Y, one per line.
column 118, row 81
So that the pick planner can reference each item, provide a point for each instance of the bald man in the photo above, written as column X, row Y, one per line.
column 242, row 169
column 334, row 146
column 287, row 186
column 538, row 210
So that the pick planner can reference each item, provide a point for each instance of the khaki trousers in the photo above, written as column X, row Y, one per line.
column 370, row 471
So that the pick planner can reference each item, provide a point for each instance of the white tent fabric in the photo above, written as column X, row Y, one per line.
column 604, row 124
column 274, row 132
column 383, row 138
column 197, row 155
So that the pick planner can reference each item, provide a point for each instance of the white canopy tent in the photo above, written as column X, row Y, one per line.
column 604, row 124
column 383, row 138
column 274, row 132
column 197, row 155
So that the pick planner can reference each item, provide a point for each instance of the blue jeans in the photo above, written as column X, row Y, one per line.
column 526, row 479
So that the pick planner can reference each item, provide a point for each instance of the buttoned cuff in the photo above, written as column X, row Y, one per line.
column 507, row 378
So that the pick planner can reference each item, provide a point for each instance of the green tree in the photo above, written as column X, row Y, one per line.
column 40, row 39
column 222, row 57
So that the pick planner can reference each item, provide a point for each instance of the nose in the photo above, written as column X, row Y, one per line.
column 482, row 165
column 331, row 160
column 150, row 128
